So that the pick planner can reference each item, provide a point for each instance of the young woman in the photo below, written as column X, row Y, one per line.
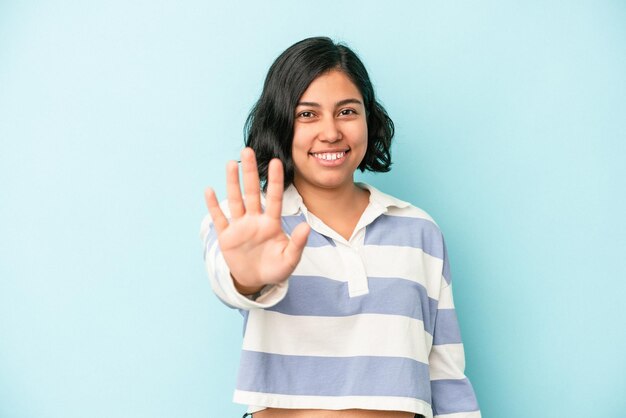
column 345, row 290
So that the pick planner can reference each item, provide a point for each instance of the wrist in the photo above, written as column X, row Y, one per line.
column 246, row 290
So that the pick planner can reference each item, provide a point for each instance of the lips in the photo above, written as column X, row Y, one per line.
column 330, row 155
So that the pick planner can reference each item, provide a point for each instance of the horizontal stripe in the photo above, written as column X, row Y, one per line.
column 341, row 262
column 452, row 396
column 315, row 239
column 380, row 403
column 446, row 264
column 244, row 313
column 318, row 296
column 446, row 298
column 359, row 335
column 332, row 376
column 325, row 262
column 406, row 263
column 472, row 414
column 212, row 258
column 447, row 362
column 446, row 327
column 403, row 231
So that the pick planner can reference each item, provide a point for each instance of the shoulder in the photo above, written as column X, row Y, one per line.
column 403, row 224
column 397, row 207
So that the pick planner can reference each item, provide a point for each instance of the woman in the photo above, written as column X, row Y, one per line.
column 345, row 291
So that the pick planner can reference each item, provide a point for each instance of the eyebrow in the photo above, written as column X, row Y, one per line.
column 339, row 103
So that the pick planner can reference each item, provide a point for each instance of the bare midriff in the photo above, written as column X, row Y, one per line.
column 325, row 413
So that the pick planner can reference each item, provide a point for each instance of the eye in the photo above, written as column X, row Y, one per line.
column 347, row 112
column 305, row 115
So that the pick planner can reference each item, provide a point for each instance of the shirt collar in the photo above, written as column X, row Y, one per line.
column 293, row 204
column 292, row 201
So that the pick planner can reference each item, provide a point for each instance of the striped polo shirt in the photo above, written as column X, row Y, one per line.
column 364, row 323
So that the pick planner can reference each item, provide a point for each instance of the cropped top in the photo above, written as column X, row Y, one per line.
column 365, row 323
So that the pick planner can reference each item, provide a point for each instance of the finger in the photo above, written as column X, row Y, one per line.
column 233, row 190
column 219, row 220
column 274, row 188
column 251, row 186
column 296, row 245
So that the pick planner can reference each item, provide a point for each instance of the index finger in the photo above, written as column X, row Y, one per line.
column 274, row 196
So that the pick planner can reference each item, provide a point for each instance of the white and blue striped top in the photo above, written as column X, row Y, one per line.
column 364, row 323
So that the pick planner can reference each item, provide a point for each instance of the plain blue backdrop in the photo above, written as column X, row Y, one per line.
column 115, row 115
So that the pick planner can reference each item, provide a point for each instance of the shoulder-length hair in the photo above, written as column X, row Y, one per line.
column 269, row 126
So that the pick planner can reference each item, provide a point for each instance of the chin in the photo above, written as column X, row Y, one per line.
column 331, row 183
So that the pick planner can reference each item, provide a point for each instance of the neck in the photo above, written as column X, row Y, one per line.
column 346, row 199
column 340, row 208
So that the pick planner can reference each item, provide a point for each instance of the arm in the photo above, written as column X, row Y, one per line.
column 452, row 392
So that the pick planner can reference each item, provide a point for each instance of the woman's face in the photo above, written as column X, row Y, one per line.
column 330, row 133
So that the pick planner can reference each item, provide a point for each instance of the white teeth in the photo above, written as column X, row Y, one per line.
column 329, row 156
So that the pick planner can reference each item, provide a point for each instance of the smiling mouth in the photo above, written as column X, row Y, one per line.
column 329, row 156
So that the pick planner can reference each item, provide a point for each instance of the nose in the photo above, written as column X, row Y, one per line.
column 329, row 130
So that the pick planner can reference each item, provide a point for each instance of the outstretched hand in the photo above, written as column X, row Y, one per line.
column 255, row 248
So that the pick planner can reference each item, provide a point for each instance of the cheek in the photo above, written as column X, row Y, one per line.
column 299, row 149
column 360, row 135
column 299, row 138
column 363, row 142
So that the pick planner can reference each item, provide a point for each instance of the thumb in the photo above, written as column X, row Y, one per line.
column 296, row 245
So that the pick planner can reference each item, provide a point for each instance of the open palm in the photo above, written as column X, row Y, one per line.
column 253, row 243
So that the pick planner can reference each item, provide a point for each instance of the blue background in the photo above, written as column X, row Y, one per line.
column 115, row 115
